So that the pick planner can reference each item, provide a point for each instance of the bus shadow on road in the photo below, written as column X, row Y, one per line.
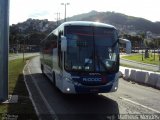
column 89, row 107
column 65, row 106
column 78, row 106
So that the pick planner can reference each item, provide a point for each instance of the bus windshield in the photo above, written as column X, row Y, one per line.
column 92, row 49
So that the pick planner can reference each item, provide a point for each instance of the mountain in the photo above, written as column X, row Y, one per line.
column 123, row 22
column 34, row 30
column 31, row 30
column 33, row 25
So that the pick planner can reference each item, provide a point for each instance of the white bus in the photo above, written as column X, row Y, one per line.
column 82, row 57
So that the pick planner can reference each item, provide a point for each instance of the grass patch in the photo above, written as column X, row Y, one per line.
column 24, row 108
column 138, row 58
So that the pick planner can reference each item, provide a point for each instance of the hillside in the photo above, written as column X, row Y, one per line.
column 31, row 30
column 121, row 21
column 34, row 30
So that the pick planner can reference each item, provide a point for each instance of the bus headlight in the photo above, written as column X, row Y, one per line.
column 68, row 89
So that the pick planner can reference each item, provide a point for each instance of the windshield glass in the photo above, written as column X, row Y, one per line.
column 92, row 49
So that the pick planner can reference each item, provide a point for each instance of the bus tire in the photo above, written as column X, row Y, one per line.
column 53, row 78
column 42, row 68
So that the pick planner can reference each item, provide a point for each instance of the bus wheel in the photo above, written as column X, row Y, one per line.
column 42, row 68
column 53, row 78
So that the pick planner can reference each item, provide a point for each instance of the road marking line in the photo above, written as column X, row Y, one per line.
column 140, row 105
column 42, row 96
column 30, row 94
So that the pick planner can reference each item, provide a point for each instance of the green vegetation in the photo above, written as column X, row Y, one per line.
column 24, row 108
column 138, row 58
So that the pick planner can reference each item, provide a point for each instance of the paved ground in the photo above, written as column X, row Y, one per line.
column 140, row 65
column 50, row 103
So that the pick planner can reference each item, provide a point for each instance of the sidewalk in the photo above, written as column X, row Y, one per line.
column 139, row 65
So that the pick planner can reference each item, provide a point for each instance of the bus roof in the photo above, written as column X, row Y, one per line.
column 87, row 23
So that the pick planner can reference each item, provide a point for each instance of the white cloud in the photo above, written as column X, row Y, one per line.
column 38, row 14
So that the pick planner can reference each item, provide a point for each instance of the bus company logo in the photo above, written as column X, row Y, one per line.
column 92, row 79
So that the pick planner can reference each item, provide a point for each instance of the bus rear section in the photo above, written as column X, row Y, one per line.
column 90, row 60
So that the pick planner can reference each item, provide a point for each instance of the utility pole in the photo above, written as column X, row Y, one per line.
column 4, row 37
column 58, row 18
column 65, row 10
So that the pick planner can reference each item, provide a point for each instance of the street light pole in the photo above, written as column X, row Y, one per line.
column 65, row 4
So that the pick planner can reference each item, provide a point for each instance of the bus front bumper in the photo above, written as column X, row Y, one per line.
column 71, row 87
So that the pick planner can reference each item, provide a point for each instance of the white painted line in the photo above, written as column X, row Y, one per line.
column 42, row 96
column 30, row 94
column 140, row 105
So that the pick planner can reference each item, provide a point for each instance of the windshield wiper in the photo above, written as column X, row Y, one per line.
column 101, row 62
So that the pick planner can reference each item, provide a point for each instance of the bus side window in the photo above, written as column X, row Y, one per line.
column 54, row 41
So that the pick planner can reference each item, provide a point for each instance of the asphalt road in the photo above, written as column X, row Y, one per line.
column 131, row 101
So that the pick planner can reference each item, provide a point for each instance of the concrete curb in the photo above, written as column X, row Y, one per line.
column 126, row 74
column 132, row 75
column 147, row 78
column 30, row 94
column 141, row 77
column 152, row 80
column 158, row 83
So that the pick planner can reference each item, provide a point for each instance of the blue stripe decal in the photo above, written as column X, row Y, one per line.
column 89, row 83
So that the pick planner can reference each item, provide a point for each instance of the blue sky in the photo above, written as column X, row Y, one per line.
column 20, row 10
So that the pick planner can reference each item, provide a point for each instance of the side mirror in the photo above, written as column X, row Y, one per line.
column 63, row 44
column 128, row 45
